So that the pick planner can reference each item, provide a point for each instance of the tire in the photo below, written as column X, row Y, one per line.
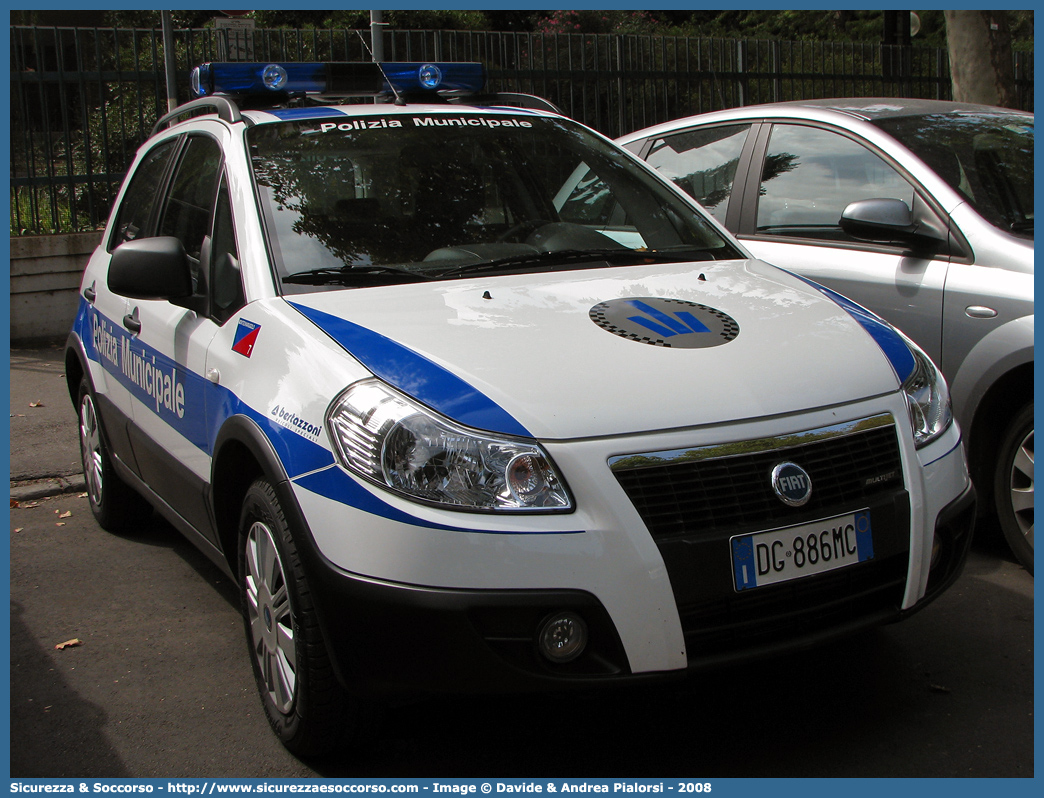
column 116, row 506
column 305, row 704
column 1013, row 486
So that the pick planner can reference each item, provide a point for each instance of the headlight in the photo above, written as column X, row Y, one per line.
column 927, row 397
column 389, row 439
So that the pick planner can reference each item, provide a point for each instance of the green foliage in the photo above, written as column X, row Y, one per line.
column 114, row 127
column 818, row 25
column 306, row 20
column 787, row 25
column 152, row 19
column 1021, row 30
column 105, row 120
column 439, row 20
column 360, row 19
column 593, row 21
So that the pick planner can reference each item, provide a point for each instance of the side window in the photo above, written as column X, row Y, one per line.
column 191, row 200
column 810, row 175
column 589, row 202
column 226, row 282
column 140, row 198
column 702, row 163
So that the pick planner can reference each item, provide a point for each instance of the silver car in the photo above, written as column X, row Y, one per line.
column 920, row 210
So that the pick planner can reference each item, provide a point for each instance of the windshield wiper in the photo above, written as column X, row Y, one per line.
column 1025, row 226
column 571, row 257
column 355, row 275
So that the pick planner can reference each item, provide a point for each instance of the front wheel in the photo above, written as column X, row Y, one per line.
column 1013, row 486
column 305, row 705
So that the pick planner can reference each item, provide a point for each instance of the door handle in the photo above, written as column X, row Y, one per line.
column 980, row 312
column 132, row 322
column 89, row 293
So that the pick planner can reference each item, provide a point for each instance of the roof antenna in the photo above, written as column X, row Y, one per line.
column 398, row 97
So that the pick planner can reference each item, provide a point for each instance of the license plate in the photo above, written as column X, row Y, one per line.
column 766, row 558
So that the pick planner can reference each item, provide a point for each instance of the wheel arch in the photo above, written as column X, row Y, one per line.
column 242, row 454
column 1001, row 401
column 75, row 367
column 1003, row 351
column 995, row 379
column 77, row 370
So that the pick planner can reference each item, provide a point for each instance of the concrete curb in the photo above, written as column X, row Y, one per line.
column 46, row 488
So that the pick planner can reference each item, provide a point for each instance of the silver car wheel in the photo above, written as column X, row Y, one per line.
column 269, row 617
column 1021, row 490
column 91, row 449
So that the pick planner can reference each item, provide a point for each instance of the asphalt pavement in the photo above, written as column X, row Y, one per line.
column 45, row 453
column 157, row 684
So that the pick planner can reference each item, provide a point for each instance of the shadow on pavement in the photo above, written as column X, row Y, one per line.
column 55, row 733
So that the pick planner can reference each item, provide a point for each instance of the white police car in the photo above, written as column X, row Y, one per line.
column 452, row 426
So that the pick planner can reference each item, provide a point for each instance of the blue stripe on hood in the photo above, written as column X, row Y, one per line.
column 415, row 375
column 891, row 342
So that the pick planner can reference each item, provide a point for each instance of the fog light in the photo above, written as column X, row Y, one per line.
column 563, row 637
column 937, row 548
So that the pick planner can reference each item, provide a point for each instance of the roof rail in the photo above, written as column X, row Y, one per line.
column 226, row 110
column 511, row 98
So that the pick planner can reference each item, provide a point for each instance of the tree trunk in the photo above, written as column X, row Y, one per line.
column 980, row 57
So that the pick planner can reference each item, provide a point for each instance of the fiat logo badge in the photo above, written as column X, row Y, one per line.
column 791, row 484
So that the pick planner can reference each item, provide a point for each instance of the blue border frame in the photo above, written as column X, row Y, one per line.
column 730, row 787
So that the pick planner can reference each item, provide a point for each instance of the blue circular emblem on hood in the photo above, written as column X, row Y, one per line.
column 671, row 323
column 791, row 484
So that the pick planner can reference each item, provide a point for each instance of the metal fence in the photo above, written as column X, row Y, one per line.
column 84, row 99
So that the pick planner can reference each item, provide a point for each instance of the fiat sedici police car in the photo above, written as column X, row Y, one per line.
column 466, row 398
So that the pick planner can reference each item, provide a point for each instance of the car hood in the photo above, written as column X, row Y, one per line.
column 609, row 351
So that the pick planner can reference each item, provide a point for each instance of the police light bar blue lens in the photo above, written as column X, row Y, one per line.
column 415, row 77
column 274, row 77
column 343, row 79
column 240, row 79
column 430, row 76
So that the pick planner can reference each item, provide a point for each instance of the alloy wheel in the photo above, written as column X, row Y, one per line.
column 91, row 449
column 1021, row 487
column 270, row 617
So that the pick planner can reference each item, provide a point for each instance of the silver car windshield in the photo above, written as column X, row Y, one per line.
column 356, row 201
column 986, row 157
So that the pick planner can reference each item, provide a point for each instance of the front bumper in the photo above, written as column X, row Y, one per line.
column 388, row 639
column 954, row 527
column 420, row 606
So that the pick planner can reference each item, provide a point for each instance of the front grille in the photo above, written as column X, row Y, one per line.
column 688, row 495
column 693, row 501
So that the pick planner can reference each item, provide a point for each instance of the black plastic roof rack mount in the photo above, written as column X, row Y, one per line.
column 226, row 110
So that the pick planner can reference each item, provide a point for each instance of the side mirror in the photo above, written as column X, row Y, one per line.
column 890, row 221
column 150, row 268
column 882, row 220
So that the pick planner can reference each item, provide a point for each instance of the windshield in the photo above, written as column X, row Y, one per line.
column 355, row 201
column 987, row 157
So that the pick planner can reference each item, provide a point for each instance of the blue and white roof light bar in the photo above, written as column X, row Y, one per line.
column 345, row 79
